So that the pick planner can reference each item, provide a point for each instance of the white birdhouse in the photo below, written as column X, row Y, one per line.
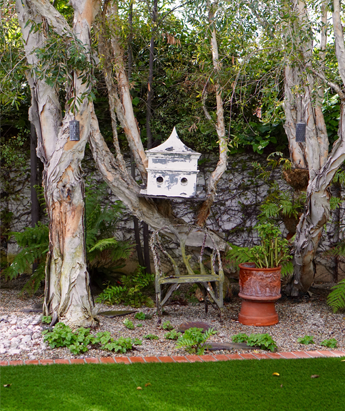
column 172, row 169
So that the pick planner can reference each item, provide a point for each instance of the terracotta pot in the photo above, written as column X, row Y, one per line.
column 259, row 289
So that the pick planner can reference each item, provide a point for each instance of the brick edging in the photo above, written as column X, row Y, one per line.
column 182, row 358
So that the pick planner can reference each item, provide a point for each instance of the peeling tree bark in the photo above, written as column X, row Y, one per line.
column 67, row 292
column 321, row 166
column 124, row 107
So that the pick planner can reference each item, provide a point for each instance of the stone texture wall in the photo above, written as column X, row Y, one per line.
column 239, row 195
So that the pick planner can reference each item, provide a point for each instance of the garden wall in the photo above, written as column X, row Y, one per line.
column 239, row 196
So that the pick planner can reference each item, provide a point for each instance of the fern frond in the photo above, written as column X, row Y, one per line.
column 339, row 250
column 239, row 255
column 269, row 210
column 339, row 177
column 287, row 269
column 335, row 202
column 104, row 244
column 336, row 299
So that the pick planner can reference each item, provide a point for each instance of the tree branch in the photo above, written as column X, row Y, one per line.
column 339, row 39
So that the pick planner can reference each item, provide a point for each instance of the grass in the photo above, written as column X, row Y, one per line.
column 222, row 386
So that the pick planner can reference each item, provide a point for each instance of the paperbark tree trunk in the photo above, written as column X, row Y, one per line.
column 35, row 208
column 321, row 167
column 67, row 292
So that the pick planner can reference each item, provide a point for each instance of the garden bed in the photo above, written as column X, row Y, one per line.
column 21, row 339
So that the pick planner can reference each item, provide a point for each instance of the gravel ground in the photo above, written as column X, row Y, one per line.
column 20, row 332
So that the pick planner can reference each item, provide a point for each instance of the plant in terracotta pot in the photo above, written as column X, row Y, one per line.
column 261, row 268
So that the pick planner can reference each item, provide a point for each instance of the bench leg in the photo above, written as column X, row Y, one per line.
column 158, row 303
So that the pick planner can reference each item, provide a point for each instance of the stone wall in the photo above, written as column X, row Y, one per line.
column 239, row 195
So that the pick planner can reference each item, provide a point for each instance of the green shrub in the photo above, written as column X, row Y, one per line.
column 331, row 343
column 79, row 340
column 63, row 336
column 121, row 345
column 131, row 290
column 272, row 252
column 34, row 243
column 336, row 298
column 263, row 341
column 307, row 339
column 193, row 340
column 105, row 255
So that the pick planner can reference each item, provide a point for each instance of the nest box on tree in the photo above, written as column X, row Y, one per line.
column 172, row 169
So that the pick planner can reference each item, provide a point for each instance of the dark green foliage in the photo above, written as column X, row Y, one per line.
column 263, row 341
column 278, row 202
column 167, row 326
column 121, row 345
column 104, row 253
column 307, row 339
column 60, row 57
column 172, row 335
column 336, row 298
column 63, row 336
column 272, row 252
column 194, row 339
column 331, row 343
column 151, row 337
column 34, row 242
column 131, row 290
column 80, row 340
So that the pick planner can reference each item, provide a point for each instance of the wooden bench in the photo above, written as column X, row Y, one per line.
column 210, row 280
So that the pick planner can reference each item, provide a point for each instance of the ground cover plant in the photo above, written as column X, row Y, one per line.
column 194, row 340
column 231, row 385
column 167, row 326
column 172, row 335
column 151, row 337
column 263, row 341
column 142, row 316
column 80, row 340
column 307, row 339
column 130, row 292
column 330, row 343
column 128, row 324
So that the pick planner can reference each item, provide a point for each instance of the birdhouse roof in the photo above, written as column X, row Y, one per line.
column 172, row 145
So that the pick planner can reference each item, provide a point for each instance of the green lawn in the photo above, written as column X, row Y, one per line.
column 232, row 385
